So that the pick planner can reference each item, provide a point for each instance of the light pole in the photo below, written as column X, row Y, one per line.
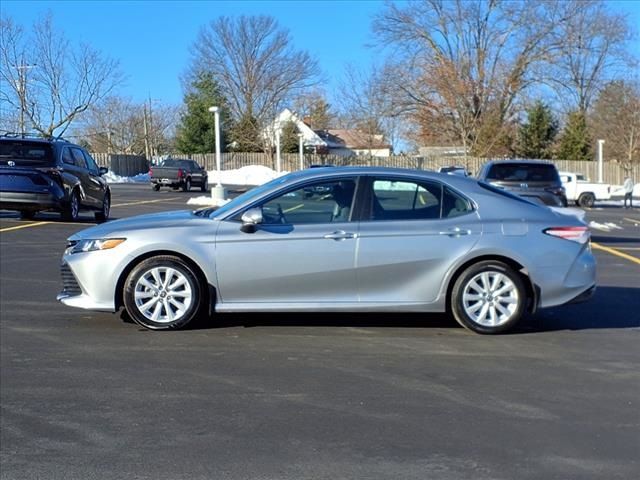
column 217, row 192
column 278, row 159
column 301, row 150
column 600, row 160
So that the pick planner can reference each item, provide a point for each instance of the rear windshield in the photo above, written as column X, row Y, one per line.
column 523, row 172
column 176, row 163
column 22, row 153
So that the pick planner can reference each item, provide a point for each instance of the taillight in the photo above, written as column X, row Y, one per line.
column 180, row 173
column 55, row 173
column 575, row 234
column 150, row 171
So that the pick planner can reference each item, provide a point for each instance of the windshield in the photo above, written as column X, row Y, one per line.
column 523, row 172
column 25, row 154
column 245, row 197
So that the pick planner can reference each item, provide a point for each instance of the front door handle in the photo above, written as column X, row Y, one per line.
column 339, row 235
column 455, row 232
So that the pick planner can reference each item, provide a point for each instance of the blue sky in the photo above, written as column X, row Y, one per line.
column 152, row 39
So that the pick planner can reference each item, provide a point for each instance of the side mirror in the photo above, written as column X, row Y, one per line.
column 103, row 170
column 250, row 219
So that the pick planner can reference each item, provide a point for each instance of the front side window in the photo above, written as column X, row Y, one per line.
column 405, row 200
column 67, row 157
column 323, row 202
column 93, row 167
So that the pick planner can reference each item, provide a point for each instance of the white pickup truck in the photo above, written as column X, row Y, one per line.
column 580, row 190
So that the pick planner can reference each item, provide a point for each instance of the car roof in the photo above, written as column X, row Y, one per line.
column 520, row 161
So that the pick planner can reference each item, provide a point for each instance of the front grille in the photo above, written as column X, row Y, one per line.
column 69, row 283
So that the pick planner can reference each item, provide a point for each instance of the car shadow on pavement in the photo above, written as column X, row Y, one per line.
column 610, row 307
column 605, row 239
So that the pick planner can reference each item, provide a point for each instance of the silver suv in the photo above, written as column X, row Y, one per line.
column 535, row 180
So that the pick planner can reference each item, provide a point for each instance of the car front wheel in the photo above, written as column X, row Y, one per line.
column 488, row 297
column 103, row 214
column 163, row 293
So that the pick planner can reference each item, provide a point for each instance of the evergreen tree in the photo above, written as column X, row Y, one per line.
column 289, row 141
column 246, row 136
column 575, row 142
column 196, row 131
column 536, row 136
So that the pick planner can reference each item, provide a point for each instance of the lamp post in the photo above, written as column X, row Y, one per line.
column 278, row 158
column 301, row 150
column 217, row 192
column 600, row 160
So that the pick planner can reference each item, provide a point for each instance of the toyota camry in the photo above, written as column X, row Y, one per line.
column 365, row 239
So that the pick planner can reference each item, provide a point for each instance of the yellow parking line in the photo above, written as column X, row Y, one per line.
column 144, row 201
column 27, row 225
column 293, row 208
column 616, row 252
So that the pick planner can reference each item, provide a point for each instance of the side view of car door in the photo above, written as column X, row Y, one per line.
column 301, row 252
column 412, row 233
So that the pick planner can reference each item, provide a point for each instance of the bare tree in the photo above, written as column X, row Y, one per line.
column 314, row 108
column 255, row 64
column 48, row 80
column 368, row 105
column 117, row 125
column 463, row 63
column 590, row 49
column 616, row 119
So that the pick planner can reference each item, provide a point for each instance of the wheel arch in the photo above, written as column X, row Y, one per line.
column 532, row 289
column 210, row 290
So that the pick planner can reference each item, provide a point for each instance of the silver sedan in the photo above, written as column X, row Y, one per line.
column 338, row 239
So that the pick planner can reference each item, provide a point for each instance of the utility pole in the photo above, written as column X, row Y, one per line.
column 23, row 68
column 147, row 152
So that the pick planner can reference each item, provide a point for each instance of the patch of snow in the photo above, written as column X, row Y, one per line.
column 599, row 226
column 614, row 226
column 250, row 175
column 207, row 200
column 111, row 177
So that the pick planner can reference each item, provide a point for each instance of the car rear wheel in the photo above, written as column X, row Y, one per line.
column 586, row 200
column 72, row 210
column 488, row 297
column 163, row 293
column 103, row 215
column 186, row 186
column 155, row 187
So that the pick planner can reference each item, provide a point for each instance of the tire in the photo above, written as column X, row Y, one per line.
column 186, row 186
column 146, row 282
column 205, row 184
column 155, row 187
column 27, row 214
column 71, row 211
column 475, row 307
column 586, row 200
column 103, row 215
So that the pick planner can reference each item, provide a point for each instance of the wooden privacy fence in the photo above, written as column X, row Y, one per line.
column 130, row 165
column 123, row 165
column 613, row 173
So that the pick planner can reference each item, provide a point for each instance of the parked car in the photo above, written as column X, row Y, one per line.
column 177, row 173
column 51, row 174
column 454, row 170
column 581, row 191
column 381, row 240
column 534, row 180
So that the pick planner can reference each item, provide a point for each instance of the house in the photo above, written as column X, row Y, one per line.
column 439, row 151
column 343, row 142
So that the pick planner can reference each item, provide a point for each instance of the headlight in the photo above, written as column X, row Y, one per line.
column 91, row 245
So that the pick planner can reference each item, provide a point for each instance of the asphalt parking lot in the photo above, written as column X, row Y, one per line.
column 87, row 395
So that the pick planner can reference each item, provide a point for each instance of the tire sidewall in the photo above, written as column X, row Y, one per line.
column 162, row 261
column 457, row 306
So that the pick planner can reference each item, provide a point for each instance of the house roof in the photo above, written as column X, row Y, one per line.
column 354, row 139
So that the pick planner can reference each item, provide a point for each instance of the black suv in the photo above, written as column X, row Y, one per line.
column 535, row 180
column 38, row 174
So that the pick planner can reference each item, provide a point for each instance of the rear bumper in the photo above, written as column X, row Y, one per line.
column 584, row 296
column 29, row 201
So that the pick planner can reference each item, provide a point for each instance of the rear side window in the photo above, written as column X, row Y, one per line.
column 454, row 205
column 405, row 200
column 26, row 154
column 78, row 158
column 523, row 172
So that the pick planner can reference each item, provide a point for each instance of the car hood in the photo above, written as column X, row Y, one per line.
column 151, row 221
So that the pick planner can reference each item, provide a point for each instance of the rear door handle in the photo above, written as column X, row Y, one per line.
column 339, row 235
column 455, row 232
